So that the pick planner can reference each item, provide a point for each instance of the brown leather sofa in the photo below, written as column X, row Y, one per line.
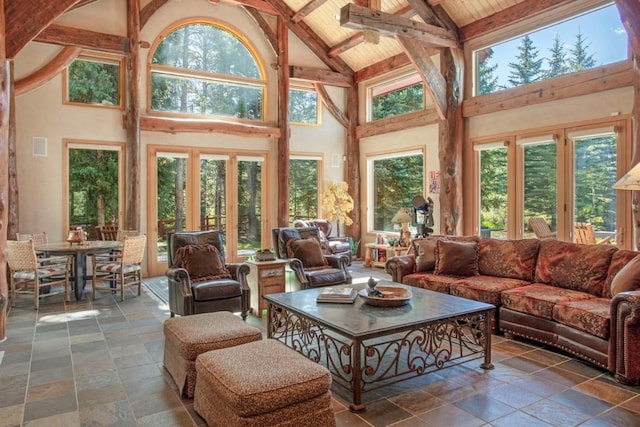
column 189, row 295
column 301, row 247
column 583, row 299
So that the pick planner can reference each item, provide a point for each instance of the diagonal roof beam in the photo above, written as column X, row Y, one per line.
column 366, row 36
column 319, row 75
column 309, row 38
column 307, row 9
column 358, row 17
column 629, row 11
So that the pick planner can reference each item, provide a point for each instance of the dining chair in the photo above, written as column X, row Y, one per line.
column 121, row 234
column 38, row 276
column 541, row 229
column 115, row 271
column 107, row 232
column 38, row 238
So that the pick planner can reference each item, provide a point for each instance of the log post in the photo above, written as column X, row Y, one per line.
column 14, row 206
column 352, row 166
column 283, row 122
column 4, row 172
column 450, row 144
column 132, row 198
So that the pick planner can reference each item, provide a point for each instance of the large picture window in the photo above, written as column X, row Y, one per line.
column 94, row 80
column 303, row 106
column 394, row 97
column 303, row 187
column 203, row 68
column 587, row 40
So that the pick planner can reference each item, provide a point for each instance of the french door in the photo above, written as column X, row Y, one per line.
column 192, row 189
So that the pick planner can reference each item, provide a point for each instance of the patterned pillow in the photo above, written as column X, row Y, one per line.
column 456, row 258
column 308, row 251
column 627, row 279
column 425, row 250
column 203, row 262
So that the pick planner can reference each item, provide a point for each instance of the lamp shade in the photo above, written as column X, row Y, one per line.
column 401, row 217
column 630, row 180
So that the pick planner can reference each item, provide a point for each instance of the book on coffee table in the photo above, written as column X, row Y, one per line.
column 338, row 295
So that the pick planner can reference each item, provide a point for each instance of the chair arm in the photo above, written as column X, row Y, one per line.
column 342, row 262
column 552, row 235
column 298, row 268
column 400, row 266
column 624, row 345
column 239, row 271
column 180, row 295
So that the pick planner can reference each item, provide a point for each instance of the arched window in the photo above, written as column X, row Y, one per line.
column 204, row 68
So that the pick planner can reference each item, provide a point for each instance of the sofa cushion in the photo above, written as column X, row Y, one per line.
column 538, row 299
column 628, row 278
column 515, row 259
column 619, row 259
column 425, row 250
column 484, row 288
column 456, row 258
column 203, row 262
column 308, row 251
column 590, row 316
column 578, row 267
column 429, row 281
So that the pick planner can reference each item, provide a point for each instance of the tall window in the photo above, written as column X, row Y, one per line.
column 303, row 188
column 394, row 97
column 588, row 40
column 493, row 189
column 303, row 106
column 393, row 181
column 95, row 80
column 203, row 68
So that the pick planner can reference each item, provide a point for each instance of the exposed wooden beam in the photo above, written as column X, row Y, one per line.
column 310, row 38
column 169, row 125
column 357, row 17
column 26, row 19
column 81, row 3
column 397, row 123
column 306, row 10
column 517, row 13
column 331, row 106
column 434, row 82
column 581, row 83
column 365, row 36
column 269, row 34
column 133, row 199
column 629, row 11
column 352, row 164
column 69, row 36
column 319, row 75
column 148, row 11
column 260, row 5
column 283, row 123
column 5, row 78
column 36, row 79
column 382, row 67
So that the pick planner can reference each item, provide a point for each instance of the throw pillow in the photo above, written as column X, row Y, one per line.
column 425, row 250
column 456, row 258
column 202, row 262
column 627, row 279
column 308, row 251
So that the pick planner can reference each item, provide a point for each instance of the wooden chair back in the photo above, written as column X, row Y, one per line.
column 107, row 232
column 540, row 227
column 584, row 234
column 38, row 238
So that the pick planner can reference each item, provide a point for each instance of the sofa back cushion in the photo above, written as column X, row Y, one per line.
column 572, row 266
column 425, row 250
column 618, row 261
column 512, row 259
column 456, row 258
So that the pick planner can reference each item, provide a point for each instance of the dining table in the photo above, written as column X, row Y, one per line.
column 79, row 252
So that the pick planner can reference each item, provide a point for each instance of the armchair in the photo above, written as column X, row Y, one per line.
column 200, row 280
column 330, row 245
column 301, row 247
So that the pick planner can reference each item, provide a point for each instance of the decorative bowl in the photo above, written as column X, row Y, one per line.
column 393, row 296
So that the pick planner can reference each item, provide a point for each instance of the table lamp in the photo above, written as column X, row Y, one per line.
column 402, row 217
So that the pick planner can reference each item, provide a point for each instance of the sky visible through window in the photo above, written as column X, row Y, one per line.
column 602, row 30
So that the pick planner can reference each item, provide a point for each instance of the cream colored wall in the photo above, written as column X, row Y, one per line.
column 41, row 113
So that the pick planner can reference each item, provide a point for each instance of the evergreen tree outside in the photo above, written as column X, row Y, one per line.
column 580, row 58
column 303, row 189
column 402, row 101
column 493, row 188
column 303, row 106
column 528, row 67
column 540, row 182
column 558, row 59
column 487, row 78
column 92, row 82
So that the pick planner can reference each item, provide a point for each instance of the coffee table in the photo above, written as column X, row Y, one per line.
column 367, row 347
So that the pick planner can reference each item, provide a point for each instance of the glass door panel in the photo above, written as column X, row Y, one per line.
column 249, row 220
column 493, row 192
column 594, row 176
column 213, row 193
column 172, row 206
column 540, row 192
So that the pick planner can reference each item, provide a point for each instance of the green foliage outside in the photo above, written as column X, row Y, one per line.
column 94, row 83
column 405, row 100
column 303, row 106
column 395, row 182
column 93, row 186
column 493, row 188
column 303, row 189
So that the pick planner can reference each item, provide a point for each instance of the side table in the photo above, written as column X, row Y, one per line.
column 376, row 255
column 265, row 277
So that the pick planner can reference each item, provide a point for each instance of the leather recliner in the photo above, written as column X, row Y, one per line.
column 331, row 245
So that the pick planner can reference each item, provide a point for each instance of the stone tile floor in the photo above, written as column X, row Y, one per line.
column 99, row 363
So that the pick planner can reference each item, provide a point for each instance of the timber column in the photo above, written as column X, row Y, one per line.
column 4, row 172
column 132, row 194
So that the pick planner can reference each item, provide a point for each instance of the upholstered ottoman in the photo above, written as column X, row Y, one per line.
column 262, row 383
column 188, row 336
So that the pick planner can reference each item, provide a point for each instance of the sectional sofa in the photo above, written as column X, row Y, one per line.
column 583, row 299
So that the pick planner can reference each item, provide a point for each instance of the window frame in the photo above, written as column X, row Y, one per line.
column 303, row 88
column 101, row 58
column 388, row 80
column 165, row 70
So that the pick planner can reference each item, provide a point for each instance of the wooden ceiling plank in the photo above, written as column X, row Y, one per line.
column 331, row 106
column 26, row 19
column 306, row 10
column 148, row 11
column 271, row 36
column 382, row 67
column 434, row 82
column 69, row 36
column 36, row 79
column 629, row 11
column 319, row 75
column 514, row 14
column 310, row 38
column 357, row 17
